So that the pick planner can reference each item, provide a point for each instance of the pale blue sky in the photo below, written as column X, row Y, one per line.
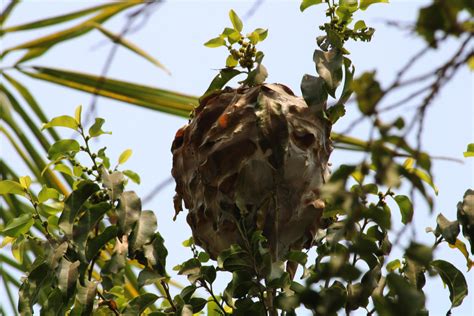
column 174, row 34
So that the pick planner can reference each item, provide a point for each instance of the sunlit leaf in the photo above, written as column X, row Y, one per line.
column 124, row 156
column 215, row 42
column 156, row 99
column 63, row 121
column 96, row 128
column 470, row 151
column 307, row 3
column 236, row 21
column 63, row 147
column 364, row 4
column 132, row 176
column 25, row 182
column 18, row 225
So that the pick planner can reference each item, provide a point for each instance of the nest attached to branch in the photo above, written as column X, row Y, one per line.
column 252, row 158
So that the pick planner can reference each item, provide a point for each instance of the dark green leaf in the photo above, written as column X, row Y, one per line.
column 144, row 230
column 128, row 211
column 335, row 112
column 224, row 76
column 298, row 257
column 86, row 296
column 137, row 305
column 449, row 230
column 95, row 244
column 156, row 254
column 114, row 182
column 67, row 277
column 415, row 273
column 314, row 92
column 406, row 208
column 329, row 67
column 419, row 253
column 465, row 216
column 455, row 280
column 368, row 92
column 148, row 276
column 198, row 304
column 63, row 147
column 74, row 203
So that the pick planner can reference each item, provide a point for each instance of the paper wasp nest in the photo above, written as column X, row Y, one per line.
column 255, row 156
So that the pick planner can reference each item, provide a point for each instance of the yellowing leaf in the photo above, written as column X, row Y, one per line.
column 124, row 156
column 77, row 114
column 7, row 240
column 463, row 249
column 25, row 182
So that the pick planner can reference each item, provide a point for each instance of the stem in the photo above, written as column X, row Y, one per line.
column 109, row 304
column 214, row 298
column 168, row 295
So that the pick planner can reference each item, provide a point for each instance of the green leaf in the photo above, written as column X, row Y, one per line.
column 329, row 67
column 128, row 211
column 215, row 42
column 67, row 278
column 156, row 254
column 32, row 53
column 145, row 96
column 78, row 114
column 124, row 156
column 236, row 21
column 307, row 3
column 203, row 257
column 132, row 176
column 148, row 276
column 63, row 147
column 114, row 182
column 74, row 203
column 56, row 19
column 137, row 305
column 18, row 225
column 449, row 230
column 465, row 217
column 419, row 253
column 314, row 92
column 96, row 128
column 393, row 265
column 406, row 208
column 86, row 296
column 11, row 187
column 198, row 304
column 231, row 62
column 368, row 92
column 144, row 230
column 63, row 169
column 298, row 257
column 219, row 81
column 95, row 244
column 48, row 194
column 262, row 34
column 25, row 182
column 335, row 112
column 130, row 46
column 455, row 280
column 62, row 121
column 359, row 25
column 364, row 4
column 72, row 32
column 470, row 149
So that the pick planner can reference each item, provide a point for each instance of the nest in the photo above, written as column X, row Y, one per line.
column 252, row 158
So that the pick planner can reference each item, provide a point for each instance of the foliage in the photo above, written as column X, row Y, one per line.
column 89, row 237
